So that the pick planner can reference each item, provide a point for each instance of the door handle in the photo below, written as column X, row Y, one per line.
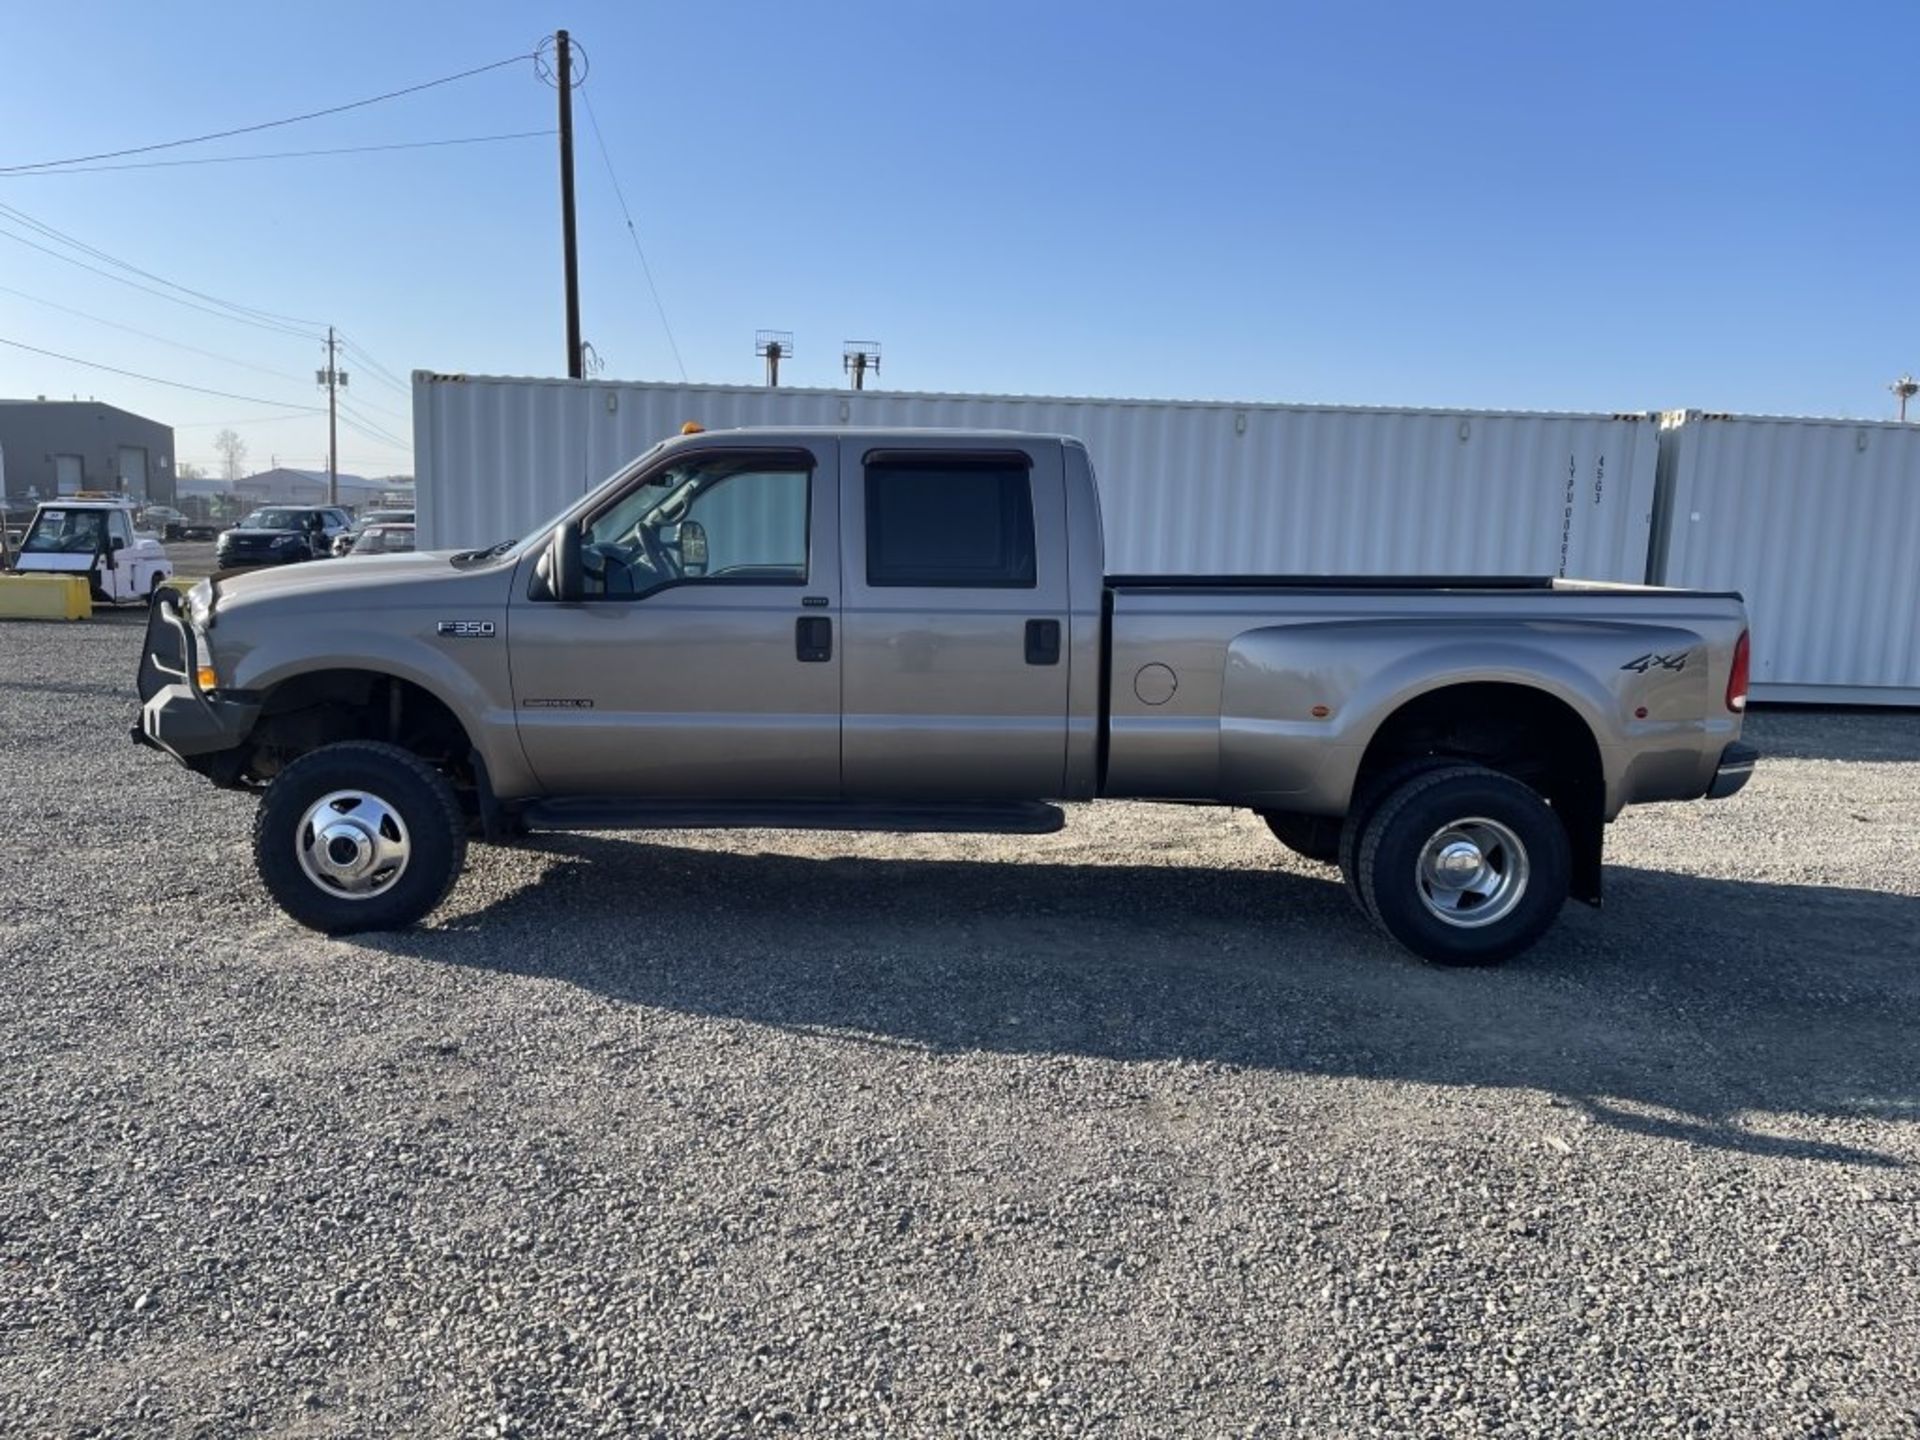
column 813, row 638
column 1043, row 642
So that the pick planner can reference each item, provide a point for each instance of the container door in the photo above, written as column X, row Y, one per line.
column 68, row 474
column 705, row 661
column 956, row 621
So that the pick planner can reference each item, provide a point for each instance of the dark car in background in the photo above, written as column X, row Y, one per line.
column 344, row 544
column 281, row 535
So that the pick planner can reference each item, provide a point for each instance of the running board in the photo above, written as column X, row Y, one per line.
column 1024, row 817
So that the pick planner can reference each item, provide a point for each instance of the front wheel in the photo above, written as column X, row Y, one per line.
column 1464, row 866
column 359, row 836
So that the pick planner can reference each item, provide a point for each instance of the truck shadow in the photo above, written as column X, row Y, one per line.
column 1687, row 1004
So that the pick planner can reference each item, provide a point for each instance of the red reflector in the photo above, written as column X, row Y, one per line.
column 1737, row 681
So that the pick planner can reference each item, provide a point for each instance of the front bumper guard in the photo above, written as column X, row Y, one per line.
column 176, row 715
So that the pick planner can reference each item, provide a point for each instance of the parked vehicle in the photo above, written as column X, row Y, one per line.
column 343, row 544
column 164, row 521
column 95, row 538
column 910, row 630
column 281, row 535
column 383, row 540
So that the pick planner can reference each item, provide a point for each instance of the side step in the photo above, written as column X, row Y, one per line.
column 1017, row 817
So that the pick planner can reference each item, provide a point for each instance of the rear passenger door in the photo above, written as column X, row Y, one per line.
column 954, row 612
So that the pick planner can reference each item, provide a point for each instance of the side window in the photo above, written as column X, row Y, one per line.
column 948, row 522
column 117, row 527
column 712, row 519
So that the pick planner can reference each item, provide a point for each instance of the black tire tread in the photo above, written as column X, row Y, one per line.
column 1367, row 798
column 1409, row 794
column 437, row 784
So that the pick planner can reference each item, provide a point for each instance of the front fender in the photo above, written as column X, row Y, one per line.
column 472, row 681
column 1276, row 752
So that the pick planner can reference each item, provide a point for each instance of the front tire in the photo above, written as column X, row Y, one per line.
column 359, row 836
column 1464, row 866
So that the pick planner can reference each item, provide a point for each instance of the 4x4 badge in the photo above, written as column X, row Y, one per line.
column 1644, row 663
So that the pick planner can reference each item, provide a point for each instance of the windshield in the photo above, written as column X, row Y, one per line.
column 66, row 532
column 509, row 547
column 275, row 520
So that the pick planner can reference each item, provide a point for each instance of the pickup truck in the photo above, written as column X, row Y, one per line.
column 912, row 630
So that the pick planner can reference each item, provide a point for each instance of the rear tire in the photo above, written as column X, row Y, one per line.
column 358, row 836
column 1464, row 866
column 1367, row 798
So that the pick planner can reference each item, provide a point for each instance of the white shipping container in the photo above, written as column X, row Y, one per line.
column 1817, row 524
column 1185, row 487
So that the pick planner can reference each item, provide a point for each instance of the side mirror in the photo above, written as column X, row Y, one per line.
column 116, row 545
column 693, row 547
column 565, row 576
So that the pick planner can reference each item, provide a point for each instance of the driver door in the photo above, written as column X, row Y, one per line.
column 705, row 661
column 119, row 576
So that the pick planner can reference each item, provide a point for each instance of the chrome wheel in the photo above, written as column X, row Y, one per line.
column 1472, row 872
column 352, row 844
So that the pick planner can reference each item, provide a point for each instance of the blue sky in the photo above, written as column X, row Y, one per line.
column 1606, row 207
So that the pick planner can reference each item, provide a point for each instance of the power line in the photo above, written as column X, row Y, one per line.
column 380, row 372
column 634, row 234
column 149, row 335
column 278, row 155
column 149, row 290
column 62, row 237
column 150, row 379
column 398, row 447
column 369, row 427
column 244, row 420
column 264, row 124
column 364, row 403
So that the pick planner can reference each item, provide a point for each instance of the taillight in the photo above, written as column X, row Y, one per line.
column 1737, row 681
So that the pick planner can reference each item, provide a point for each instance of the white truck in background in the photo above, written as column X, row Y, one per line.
column 95, row 537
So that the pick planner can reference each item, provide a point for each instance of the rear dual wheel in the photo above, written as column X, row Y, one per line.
column 1461, row 864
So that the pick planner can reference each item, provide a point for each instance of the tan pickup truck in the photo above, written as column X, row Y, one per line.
column 914, row 630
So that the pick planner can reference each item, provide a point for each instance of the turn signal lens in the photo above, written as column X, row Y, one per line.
column 1737, row 681
column 204, row 677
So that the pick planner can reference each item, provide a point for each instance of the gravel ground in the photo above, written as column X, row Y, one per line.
column 1133, row 1130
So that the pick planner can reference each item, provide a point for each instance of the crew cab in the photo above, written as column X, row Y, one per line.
column 97, row 539
column 913, row 630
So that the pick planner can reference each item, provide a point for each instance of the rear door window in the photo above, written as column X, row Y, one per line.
column 950, row 523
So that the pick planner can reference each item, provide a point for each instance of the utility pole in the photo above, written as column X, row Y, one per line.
column 335, row 380
column 563, row 59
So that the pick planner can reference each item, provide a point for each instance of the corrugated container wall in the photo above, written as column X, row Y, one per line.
column 1817, row 523
column 1184, row 487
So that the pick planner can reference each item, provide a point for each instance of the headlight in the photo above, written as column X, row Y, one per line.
column 200, row 605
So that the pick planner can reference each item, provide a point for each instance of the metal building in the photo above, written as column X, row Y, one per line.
column 1184, row 486
column 58, row 447
column 1817, row 523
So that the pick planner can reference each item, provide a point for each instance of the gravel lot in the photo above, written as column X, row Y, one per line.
column 1133, row 1130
